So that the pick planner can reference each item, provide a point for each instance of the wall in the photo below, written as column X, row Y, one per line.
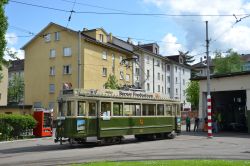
column 4, row 86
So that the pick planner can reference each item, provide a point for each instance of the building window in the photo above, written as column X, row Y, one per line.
column 148, row 87
column 168, row 79
column 162, row 89
column 183, row 71
column 101, row 37
column 147, row 59
column 183, row 92
column 168, row 90
column 121, row 58
column 57, row 36
column 156, row 51
column 67, row 69
column 162, row 66
column 148, row 73
column 159, row 76
column 127, row 77
column 176, row 91
column 121, row 75
column 158, row 63
column 162, row 77
column 67, row 51
column 168, row 67
column 137, row 71
column 51, row 88
column 104, row 72
column 104, row 55
column 175, row 68
column 52, row 53
column 183, row 81
column 47, row 37
column 159, row 88
column 52, row 71
column 176, row 80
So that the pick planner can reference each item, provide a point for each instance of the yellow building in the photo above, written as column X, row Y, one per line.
column 58, row 55
column 3, row 86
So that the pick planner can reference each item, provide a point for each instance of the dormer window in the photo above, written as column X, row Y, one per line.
column 181, row 60
column 47, row 37
column 101, row 37
column 156, row 51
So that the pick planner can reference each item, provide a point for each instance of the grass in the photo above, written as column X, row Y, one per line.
column 171, row 163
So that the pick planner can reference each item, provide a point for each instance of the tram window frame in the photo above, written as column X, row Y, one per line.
column 160, row 112
column 120, row 109
column 149, row 111
column 132, row 109
column 62, row 108
column 70, row 108
column 84, row 108
column 102, row 111
column 92, row 111
column 169, row 112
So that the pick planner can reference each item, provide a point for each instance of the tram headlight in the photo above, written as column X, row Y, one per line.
column 59, row 123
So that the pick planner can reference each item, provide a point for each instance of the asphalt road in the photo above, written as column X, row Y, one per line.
column 44, row 151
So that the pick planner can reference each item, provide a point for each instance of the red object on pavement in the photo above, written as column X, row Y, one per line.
column 44, row 123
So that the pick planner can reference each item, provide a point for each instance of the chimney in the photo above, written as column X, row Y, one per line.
column 129, row 40
column 201, row 59
column 110, row 37
column 84, row 29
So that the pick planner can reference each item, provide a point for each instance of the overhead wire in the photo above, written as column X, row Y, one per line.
column 128, row 14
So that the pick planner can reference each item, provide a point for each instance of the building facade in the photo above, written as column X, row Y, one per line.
column 3, row 85
column 60, row 58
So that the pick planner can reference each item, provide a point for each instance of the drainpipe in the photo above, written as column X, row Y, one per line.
column 79, row 61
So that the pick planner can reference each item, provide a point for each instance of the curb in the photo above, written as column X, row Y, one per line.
column 23, row 140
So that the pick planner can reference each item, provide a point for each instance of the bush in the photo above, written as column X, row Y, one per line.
column 11, row 126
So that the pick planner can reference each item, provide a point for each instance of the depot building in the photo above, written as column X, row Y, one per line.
column 230, row 94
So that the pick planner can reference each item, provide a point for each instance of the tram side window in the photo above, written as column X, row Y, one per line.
column 169, row 110
column 92, row 109
column 70, row 108
column 148, row 109
column 132, row 109
column 81, row 108
column 160, row 109
column 117, row 109
column 105, row 107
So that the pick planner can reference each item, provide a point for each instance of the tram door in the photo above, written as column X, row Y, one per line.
column 93, row 120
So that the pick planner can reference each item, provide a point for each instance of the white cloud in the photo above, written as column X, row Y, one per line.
column 221, row 33
column 170, row 45
column 19, row 53
column 11, row 38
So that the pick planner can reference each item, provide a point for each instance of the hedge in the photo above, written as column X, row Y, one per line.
column 12, row 125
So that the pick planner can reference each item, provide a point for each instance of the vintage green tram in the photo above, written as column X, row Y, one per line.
column 107, row 115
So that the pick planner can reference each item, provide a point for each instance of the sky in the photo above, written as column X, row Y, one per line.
column 180, row 27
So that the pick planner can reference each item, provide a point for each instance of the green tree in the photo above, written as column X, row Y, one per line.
column 3, row 29
column 228, row 64
column 187, row 58
column 192, row 93
column 16, row 89
column 112, row 83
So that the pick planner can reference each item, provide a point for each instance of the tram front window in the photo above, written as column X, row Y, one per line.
column 92, row 109
column 81, row 111
column 70, row 108
column 62, row 108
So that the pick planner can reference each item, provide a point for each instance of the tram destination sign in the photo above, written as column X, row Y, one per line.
column 120, row 93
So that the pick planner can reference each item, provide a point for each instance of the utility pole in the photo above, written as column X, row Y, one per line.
column 209, row 113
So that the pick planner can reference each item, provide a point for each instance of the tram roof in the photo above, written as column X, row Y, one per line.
column 121, row 94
